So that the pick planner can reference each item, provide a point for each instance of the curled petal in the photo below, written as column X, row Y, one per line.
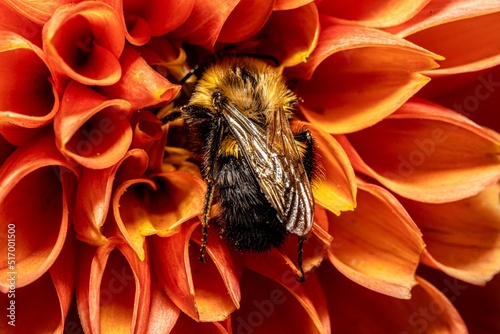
column 152, row 18
column 37, row 11
column 290, row 35
column 204, row 291
column 36, row 185
column 247, row 18
column 90, row 129
column 290, row 4
column 187, row 325
column 462, row 238
column 145, row 207
column 139, row 84
column 335, row 187
column 377, row 14
column 472, row 46
column 427, row 153
column 377, row 245
column 427, row 311
column 358, row 76
column 276, row 295
column 205, row 22
column 15, row 22
column 164, row 314
column 84, row 41
column 146, row 127
column 113, row 289
column 29, row 98
column 93, row 196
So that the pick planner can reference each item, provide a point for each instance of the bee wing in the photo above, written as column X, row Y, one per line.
column 277, row 165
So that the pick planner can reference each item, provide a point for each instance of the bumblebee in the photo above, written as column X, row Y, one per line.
column 257, row 171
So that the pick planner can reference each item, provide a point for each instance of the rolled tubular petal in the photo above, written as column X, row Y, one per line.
column 164, row 315
column 378, row 245
column 428, row 310
column 84, row 42
column 377, row 14
column 464, row 32
column 93, row 196
column 334, row 187
column 139, row 84
column 204, row 291
column 289, row 4
column 14, row 22
column 144, row 207
column 275, row 295
column 37, row 11
column 427, row 153
column 92, row 130
column 146, row 127
column 113, row 289
column 187, row 325
column 205, row 22
column 36, row 191
column 463, row 237
column 29, row 98
column 358, row 76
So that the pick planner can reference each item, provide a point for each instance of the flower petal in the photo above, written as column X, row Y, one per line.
column 187, row 325
column 205, row 22
column 463, row 31
column 29, row 76
column 146, row 127
column 145, row 207
column 358, row 76
column 335, row 188
column 17, row 23
column 275, row 295
column 139, row 84
column 428, row 311
column 90, row 129
column 462, row 238
column 37, row 11
column 290, row 35
column 377, row 14
column 113, row 289
column 84, row 41
column 377, row 245
column 204, row 291
column 290, row 4
column 247, row 18
column 38, row 179
column 93, row 195
column 164, row 314
column 427, row 153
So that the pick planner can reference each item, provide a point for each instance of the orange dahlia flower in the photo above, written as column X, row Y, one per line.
column 100, row 202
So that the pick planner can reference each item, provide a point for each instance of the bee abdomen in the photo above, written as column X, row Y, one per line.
column 245, row 220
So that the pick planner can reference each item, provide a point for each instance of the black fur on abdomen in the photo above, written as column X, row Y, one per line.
column 245, row 219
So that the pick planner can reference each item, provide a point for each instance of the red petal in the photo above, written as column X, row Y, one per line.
column 139, row 84
column 204, row 291
column 93, row 195
column 84, row 41
column 90, row 129
column 247, row 18
column 35, row 179
column 427, row 153
column 290, row 4
column 377, row 245
column 357, row 76
column 357, row 309
column 205, row 22
column 14, row 22
column 463, row 31
column 113, row 289
column 462, row 238
column 372, row 13
column 144, row 207
column 37, row 11
column 146, row 127
column 269, row 299
column 29, row 84
column 164, row 314
column 187, row 325
column 290, row 35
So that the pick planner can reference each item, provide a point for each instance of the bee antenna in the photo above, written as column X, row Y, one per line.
column 302, row 277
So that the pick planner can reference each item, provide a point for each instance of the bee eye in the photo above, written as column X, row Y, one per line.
column 217, row 98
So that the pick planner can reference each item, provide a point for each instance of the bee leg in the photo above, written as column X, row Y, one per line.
column 206, row 216
column 302, row 277
column 174, row 115
column 306, row 149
